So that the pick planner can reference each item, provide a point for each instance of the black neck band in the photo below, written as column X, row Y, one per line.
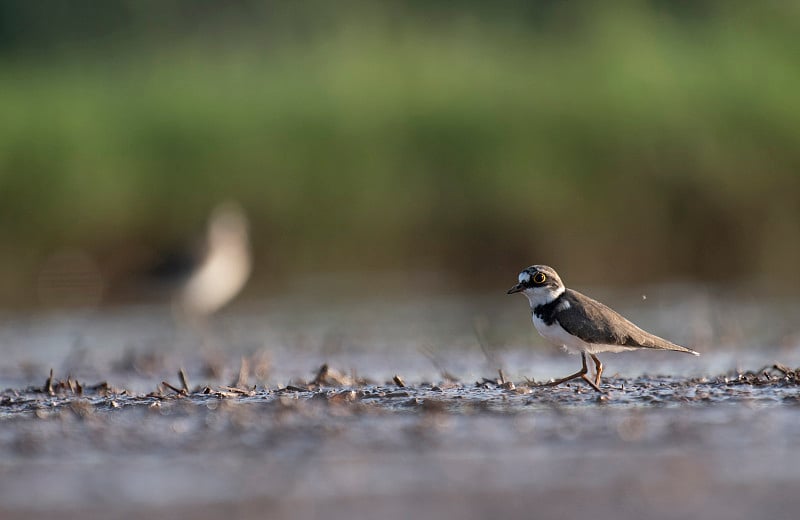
column 547, row 311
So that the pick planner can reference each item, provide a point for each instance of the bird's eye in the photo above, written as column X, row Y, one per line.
column 539, row 278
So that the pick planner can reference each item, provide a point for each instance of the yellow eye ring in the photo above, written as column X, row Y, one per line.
column 539, row 278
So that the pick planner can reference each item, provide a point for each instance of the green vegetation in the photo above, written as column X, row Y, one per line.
column 421, row 138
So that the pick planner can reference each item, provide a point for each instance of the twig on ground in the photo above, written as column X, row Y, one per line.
column 244, row 372
column 322, row 374
column 48, row 385
column 174, row 389
column 184, row 383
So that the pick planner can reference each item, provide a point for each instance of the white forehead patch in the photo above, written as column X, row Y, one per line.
column 524, row 277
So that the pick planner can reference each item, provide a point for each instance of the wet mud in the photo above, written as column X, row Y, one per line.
column 135, row 421
column 334, row 447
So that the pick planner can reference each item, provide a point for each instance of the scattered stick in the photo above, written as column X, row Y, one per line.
column 328, row 377
column 244, row 372
column 322, row 375
column 292, row 388
column 507, row 385
column 48, row 385
column 102, row 388
column 399, row 381
column 159, row 393
column 174, row 389
column 184, row 383
column 238, row 391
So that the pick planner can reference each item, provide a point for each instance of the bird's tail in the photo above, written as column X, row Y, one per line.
column 678, row 348
column 655, row 342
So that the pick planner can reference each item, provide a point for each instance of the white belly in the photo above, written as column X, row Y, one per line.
column 556, row 334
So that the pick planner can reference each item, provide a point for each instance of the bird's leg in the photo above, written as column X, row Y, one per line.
column 581, row 373
column 598, row 369
column 576, row 375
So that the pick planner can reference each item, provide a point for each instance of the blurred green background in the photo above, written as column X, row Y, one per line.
column 620, row 142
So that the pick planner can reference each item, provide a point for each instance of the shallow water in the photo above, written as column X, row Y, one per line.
column 674, row 436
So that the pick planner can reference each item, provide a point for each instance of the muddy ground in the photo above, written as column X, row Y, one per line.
column 140, row 421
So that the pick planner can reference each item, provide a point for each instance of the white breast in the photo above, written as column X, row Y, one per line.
column 556, row 334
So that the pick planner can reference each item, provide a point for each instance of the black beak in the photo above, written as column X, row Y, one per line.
column 517, row 288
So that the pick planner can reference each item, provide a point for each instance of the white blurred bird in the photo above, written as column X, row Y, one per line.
column 223, row 270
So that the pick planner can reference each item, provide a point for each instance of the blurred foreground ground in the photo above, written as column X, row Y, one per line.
column 676, row 436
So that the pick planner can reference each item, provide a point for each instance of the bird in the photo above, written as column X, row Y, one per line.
column 580, row 324
column 222, row 272
column 199, row 275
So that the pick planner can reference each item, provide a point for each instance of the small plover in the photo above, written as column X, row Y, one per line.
column 580, row 324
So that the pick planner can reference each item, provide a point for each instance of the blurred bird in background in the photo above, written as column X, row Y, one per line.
column 198, row 279
column 221, row 272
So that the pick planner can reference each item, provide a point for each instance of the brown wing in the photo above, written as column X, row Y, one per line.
column 596, row 323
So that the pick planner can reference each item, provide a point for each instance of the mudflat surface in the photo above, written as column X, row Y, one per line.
column 256, row 427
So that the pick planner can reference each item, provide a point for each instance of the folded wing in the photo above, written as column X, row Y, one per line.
column 596, row 323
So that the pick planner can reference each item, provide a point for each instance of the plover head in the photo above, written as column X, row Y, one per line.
column 540, row 284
